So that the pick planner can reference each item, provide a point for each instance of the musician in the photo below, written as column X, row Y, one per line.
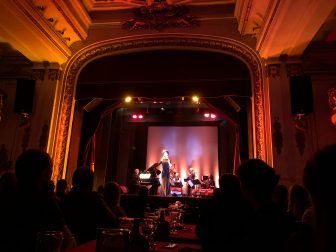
column 134, row 182
column 176, row 180
column 208, row 182
column 166, row 165
column 191, row 177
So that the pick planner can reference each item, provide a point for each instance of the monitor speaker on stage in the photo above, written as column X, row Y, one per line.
column 24, row 97
column 301, row 95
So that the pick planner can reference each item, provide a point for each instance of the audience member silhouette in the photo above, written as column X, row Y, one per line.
column 299, row 201
column 85, row 210
column 32, row 208
column 319, row 179
column 7, row 183
column 280, row 197
column 222, row 219
column 111, row 194
column 61, row 190
column 268, row 228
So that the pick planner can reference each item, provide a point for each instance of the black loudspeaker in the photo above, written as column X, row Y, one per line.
column 24, row 97
column 301, row 95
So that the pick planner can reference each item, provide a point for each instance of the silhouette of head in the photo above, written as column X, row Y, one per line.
column 319, row 177
column 112, row 193
column 7, row 182
column 82, row 179
column 280, row 197
column 257, row 179
column 33, row 169
column 61, row 186
column 229, row 185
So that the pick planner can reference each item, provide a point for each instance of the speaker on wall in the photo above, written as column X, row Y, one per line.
column 24, row 97
column 301, row 95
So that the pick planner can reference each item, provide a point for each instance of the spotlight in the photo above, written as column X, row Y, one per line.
column 195, row 99
column 140, row 116
column 128, row 99
column 206, row 115
column 213, row 116
column 134, row 116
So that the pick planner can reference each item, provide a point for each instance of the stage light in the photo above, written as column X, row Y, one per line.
column 206, row 115
column 195, row 99
column 128, row 99
column 213, row 116
column 134, row 116
column 140, row 116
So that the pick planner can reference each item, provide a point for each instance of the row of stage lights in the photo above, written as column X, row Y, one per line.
column 194, row 99
column 141, row 116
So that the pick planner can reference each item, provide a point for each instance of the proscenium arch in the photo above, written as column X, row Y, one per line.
column 154, row 42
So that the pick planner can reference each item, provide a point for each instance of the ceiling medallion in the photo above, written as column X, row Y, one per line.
column 159, row 16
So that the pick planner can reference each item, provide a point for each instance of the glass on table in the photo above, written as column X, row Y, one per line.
column 174, row 220
column 49, row 241
column 147, row 228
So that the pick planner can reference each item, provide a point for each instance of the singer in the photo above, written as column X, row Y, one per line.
column 166, row 165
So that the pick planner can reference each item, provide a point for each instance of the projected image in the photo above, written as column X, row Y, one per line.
column 189, row 147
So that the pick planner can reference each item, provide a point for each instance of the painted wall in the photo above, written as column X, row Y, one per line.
column 17, row 133
column 292, row 147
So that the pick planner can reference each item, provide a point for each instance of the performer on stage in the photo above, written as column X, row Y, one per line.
column 134, row 182
column 166, row 164
column 208, row 182
column 191, row 177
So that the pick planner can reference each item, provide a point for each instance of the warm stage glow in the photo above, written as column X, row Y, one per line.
column 134, row 116
column 195, row 99
column 128, row 99
column 206, row 115
column 213, row 116
column 195, row 147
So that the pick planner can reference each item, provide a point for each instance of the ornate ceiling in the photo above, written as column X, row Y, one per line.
column 52, row 30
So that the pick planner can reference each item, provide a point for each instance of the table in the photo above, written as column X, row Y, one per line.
column 160, row 247
column 187, row 235
column 186, row 238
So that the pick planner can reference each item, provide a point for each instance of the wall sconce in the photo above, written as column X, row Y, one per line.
column 332, row 104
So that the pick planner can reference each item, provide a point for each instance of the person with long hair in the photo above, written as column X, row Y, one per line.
column 165, row 175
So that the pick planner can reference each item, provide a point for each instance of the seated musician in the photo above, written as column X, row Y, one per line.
column 134, row 182
column 191, row 177
column 208, row 182
column 176, row 180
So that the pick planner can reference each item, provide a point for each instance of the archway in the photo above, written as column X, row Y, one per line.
column 152, row 42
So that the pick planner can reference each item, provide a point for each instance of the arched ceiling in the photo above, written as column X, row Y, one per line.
column 46, row 30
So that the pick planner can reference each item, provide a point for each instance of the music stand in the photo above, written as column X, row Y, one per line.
column 190, row 183
column 196, row 182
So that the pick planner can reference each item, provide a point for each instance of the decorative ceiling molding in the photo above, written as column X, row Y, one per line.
column 76, row 16
column 27, row 30
column 289, row 31
column 159, row 16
